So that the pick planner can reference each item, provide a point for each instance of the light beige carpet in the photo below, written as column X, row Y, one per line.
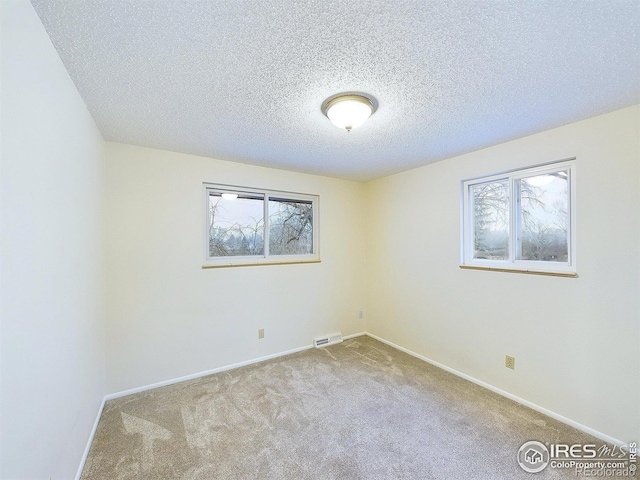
column 356, row 410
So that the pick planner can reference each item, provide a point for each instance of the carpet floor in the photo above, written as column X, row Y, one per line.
column 356, row 410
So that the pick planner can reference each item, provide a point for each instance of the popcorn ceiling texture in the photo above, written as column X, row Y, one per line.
column 244, row 81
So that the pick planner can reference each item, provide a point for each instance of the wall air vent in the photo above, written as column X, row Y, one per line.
column 329, row 340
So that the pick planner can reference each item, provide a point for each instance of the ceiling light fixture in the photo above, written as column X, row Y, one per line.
column 349, row 110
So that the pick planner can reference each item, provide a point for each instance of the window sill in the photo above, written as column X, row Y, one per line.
column 256, row 264
column 515, row 270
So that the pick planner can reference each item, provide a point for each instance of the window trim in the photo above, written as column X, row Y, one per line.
column 467, row 261
column 265, row 258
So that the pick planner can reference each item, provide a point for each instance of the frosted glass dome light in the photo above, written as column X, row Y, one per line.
column 348, row 110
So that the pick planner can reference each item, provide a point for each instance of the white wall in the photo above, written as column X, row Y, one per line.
column 576, row 341
column 168, row 317
column 52, row 332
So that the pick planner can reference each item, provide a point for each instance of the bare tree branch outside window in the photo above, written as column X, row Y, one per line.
column 291, row 227
column 491, row 220
column 237, row 227
column 543, row 219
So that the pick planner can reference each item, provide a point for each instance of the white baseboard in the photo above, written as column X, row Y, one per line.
column 499, row 391
column 131, row 391
column 354, row 335
column 510, row 396
column 124, row 393
column 90, row 441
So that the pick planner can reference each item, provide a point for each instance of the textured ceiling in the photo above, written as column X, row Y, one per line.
column 244, row 80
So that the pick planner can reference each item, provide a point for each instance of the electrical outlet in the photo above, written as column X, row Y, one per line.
column 261, row 333
column 360, row 314
column 510, row 362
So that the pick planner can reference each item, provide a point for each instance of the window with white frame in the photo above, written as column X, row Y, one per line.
column 246, row 226
column 523, row 220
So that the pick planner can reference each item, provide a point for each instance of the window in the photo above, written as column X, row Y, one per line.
column 250, row 227
column 522, row 220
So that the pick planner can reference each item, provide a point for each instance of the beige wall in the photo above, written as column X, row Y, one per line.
column 51, row 295
column 168, row 317
column 576, row 341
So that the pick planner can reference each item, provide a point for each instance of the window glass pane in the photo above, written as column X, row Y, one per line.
column 236, row 226
column 491, row 220
column 544, row 218
column 290, row 227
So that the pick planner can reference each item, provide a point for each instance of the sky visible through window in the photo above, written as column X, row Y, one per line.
column 543, row 217
column 236, row 227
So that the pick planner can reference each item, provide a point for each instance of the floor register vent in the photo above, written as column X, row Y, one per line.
column 330, row 340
